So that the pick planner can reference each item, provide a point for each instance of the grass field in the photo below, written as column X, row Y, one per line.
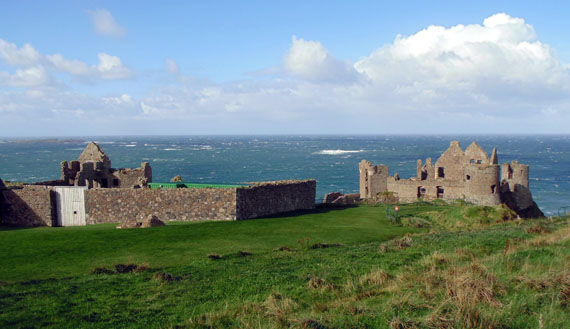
column 444, row 267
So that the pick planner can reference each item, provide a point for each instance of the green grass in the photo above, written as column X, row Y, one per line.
column 446, row 267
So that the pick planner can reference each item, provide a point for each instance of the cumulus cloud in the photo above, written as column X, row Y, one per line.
column 311, row 60
column 105, row 24
column 30, row 77
column 496, row 61
column 33, row 68
column 12, row 55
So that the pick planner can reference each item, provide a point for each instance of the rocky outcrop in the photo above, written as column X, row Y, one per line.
column 519, row 199
column 152, row 221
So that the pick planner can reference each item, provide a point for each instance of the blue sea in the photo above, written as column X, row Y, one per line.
column 331, row 160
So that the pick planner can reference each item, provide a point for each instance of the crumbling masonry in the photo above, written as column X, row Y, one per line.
column 93, row 169
column 469, row 175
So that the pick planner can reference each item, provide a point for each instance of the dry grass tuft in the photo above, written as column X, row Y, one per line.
column 284, row 248
column 316, row 282
column 375, row 278
column 537, row 228
column 396, row 323
column 472, row 285
column 278, row 307
column 564, row 296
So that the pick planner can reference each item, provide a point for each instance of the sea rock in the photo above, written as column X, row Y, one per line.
column 175, row 179
column 152, row 221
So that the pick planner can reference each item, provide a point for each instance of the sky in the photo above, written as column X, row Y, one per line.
column 94, row 68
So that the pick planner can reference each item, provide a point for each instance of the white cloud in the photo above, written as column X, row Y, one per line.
column 105, row 24
column 34, row 68
column 30, row 77
column 311, row 60
column 12, row 55
column 502, row 57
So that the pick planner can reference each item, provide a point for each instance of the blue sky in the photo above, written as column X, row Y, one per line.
column 286, row 67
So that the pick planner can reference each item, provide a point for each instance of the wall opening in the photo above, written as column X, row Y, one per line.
column 467, row 177
column 439, row 192
column 104, row 182
column 510, row 173
column 115, row 182
column 440, row 172
column 421, row 191
column 493, row 188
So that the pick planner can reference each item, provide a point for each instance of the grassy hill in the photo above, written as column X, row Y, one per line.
column 444, row 267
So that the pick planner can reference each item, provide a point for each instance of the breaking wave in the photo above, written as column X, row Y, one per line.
column 338, row 152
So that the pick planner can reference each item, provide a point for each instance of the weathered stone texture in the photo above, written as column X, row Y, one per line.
column 270, row 198
column 121, row 205
column 29, row 206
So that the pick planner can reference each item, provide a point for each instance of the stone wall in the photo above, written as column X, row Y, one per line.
column 119, row 204
column 271, row 198
column 28, row 206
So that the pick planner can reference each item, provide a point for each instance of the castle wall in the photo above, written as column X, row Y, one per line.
column 275, row 197
column 116, row 205
column 28, row 206
column 408, row 190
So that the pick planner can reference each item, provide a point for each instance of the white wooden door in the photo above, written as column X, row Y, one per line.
column 70, row 203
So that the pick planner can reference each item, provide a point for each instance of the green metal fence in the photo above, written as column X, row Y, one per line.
column 155, row 186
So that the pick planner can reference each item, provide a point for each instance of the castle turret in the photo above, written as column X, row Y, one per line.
column 482, row 184
column 373, row 179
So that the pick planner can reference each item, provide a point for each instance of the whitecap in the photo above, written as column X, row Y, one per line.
column 130, row 145
column 337, row 152
column 171, row 149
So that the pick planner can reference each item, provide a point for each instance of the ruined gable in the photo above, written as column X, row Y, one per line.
column 475, row 154
column 93, row 169
column 450, row 164
column 94, row 153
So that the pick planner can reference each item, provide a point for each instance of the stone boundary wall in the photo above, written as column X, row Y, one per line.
column 28, row 206
column 115, row 205
column 271, row 198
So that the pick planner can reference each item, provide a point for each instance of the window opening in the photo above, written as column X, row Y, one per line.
column 440, row 172
column 439, row 192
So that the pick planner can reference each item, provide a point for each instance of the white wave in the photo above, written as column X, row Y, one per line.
column 338, row 152
column 130, row 145
column 171, row 149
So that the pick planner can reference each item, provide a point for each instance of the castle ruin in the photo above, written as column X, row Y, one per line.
column 469, row 175
column 93, row 170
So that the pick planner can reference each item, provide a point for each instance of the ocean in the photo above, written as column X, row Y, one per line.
column 331, row 160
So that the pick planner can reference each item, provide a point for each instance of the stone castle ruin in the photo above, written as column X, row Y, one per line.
column 470, row 175
column 93, row 169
